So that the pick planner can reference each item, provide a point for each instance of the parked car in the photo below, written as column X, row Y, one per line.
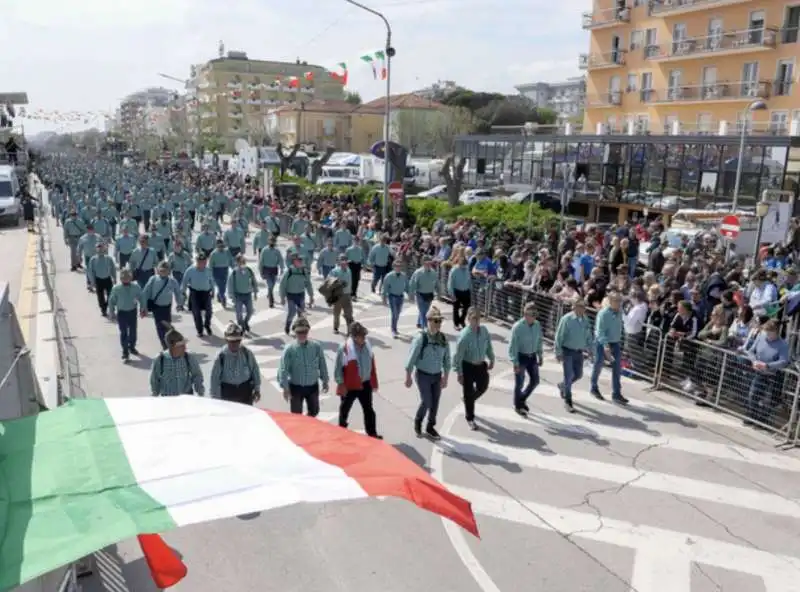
column 438, row 192
column 10, row 196
column 473, row 196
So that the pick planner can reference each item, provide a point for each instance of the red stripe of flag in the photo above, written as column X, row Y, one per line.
column 378, row 468
column 166, row 566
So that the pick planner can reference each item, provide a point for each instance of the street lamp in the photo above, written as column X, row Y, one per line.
column 762, row 209
column 390, row 52
column 529, row 129
column 757, row 105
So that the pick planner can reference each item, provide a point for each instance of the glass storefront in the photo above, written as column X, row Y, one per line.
column 660, row 173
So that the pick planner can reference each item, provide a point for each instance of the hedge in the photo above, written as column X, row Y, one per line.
column 490, row 214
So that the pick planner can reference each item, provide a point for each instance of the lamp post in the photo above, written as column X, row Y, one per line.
column 757, row 105
column 762, row 209
column 389, row 52
column 529, row 130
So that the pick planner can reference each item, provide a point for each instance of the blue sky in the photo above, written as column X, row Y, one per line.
column 87, row 54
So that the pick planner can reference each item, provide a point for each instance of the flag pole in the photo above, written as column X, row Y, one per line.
column 390, row 52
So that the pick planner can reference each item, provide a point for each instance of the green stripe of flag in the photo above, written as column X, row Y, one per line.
column 66, row 491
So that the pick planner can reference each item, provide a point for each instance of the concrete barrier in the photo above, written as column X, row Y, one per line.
column 18, row 386
column 46, row 350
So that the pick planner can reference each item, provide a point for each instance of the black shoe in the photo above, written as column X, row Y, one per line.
column 200, row 334
column 597, row 395
column 376, row 436
column 620, row 400
column 103, row 313
column 526, row 408
column 748, row 422
column 521, row 411
column 134, row 351
column 418, row 428
column 126, row 357
column 336, row 331
column 208, row 330
column 286, row 330
column 472, row 425
column 561, row 390
column 432, row 433
column 568, row 406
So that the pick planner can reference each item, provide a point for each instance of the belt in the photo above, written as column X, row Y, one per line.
column 438, row 374
column 481, row 363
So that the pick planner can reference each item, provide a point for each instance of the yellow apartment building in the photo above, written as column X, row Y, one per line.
column 346, row 127
column 233, row 94
column 691, row 66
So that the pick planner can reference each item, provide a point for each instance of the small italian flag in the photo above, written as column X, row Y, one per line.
column 294, row 82
column 309, row 76
column 377, row 61
column 94, row 472
column 236, row 94
column 340, row 73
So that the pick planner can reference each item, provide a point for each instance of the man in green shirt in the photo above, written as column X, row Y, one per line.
column 573, row 338
column 526, row 352
column 344, row 304
column 301, row 369
column 473, row 360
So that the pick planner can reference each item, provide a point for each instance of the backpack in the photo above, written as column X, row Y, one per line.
column 243, row 349
column 188, row 368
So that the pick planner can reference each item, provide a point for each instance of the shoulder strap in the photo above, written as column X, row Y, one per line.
column 163, row 287
column 424, row 342
column 161, row 364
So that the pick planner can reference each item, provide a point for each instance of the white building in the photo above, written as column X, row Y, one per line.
column 565, row 98
column 157, row 120
column 436, row 90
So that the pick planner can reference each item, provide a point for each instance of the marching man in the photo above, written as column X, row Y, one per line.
column 235, row 375
column 302, row 368
column 356, row 378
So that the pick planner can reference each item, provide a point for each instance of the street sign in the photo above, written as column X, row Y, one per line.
column 396, row 191
column 730, row 226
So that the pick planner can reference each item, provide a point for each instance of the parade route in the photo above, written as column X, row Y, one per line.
column 658, row 496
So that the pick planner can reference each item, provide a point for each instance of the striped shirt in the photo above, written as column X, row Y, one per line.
column 303, row 364
column 176, row 376
column 473, row 347
column 238, row 367
column 525, row 339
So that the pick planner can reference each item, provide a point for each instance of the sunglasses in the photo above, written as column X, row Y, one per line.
column 435, row 321
column 301, row 332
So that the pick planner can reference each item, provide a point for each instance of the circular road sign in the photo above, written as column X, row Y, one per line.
column 396, row 190
column 729, row 227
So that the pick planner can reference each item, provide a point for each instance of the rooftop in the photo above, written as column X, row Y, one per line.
column 14, row 98
column 329, row 106
column 405, row 101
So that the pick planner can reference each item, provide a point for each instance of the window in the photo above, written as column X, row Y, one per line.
column 642, row 124
column 784, row 78
column 647, row 87
column 651, row 43
column 779, row 122
column 791, row 24
column 705, row 122
column 637, row 39
column 632, row 83
column 671, row 125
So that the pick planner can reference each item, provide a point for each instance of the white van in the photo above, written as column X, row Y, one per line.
column 10, row 196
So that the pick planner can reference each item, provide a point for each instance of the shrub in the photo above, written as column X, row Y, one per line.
column 489, row 214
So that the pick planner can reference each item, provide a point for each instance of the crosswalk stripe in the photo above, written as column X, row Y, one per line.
column 780, row 572
column 707, row 448
column 629, row 476
column 579, row 395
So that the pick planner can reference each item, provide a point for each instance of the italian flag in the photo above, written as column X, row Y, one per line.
column 369, row 58
column 340, row 73
column 294, row 82
column 94, row 472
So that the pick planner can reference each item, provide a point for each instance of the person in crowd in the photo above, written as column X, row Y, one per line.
column 158, row 294
column 179, row 261
column 102, row 275
column 235, row 375
column 200, row 284
column 429, row 362
column 243, row 288
column 73, row 228
column 175, row 371
column 271, row 264
column 395, row 287
column 526, row 352
column 473, row 360
column 355, row 260
column 573, row 341
column 769, row 354
column 327, row 259
column 607, row 347
column 143, row 261
column 87, row 246
column 221, row 262
column 124, row 245
column 356, row 378
column 380, row 257
column 344, row 303
column 459, row 284
column 294, row 285
column 423, row 286
column 302, row 368
column 126, row 303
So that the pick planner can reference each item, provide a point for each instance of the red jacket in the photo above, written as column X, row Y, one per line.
column 352, row 377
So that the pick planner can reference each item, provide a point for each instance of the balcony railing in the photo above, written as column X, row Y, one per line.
column 782, row 88
column 606, row 17
column 611, row 98
column 598, row 61
column 670, row 7
column 716, row 92
column 790, row 34
column 720, row 43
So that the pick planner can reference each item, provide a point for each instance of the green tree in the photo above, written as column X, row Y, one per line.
column 316, row 167
column 286, row 157
column 352, row 97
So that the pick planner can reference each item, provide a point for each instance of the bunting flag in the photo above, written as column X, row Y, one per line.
column 309, row 76
column 369, row 58
column 93, row 472
column 294, row 82
column 380, row 55
column 340, row 73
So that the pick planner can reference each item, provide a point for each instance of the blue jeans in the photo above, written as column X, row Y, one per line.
column 616, row 368
column 528, row 364
column 295, row 304
column 378, row 275
column 326, row 269
column 430, row 392
column 220, row 275
column 178, row 275
column 572, row 365
column 395, row 308
column 127, row 322
column 423, row 306
column 243, row 305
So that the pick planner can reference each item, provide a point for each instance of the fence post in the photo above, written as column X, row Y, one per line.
column 793, row 417
column 718, row 394
column 660, row 355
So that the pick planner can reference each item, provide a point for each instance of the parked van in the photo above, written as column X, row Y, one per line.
column 10, row 196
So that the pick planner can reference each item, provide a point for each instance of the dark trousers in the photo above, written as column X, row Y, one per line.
column 143, row 275
column 379, row 275
column 220, row 275
column 200, row 303
column 528, row 364
column 146, row 218
column 237, row 393
column 462, row 300
column 127, row 321
column 161, row 315
column 355, row 270
column 102, row 286
column 304, row 394
column 364, row 397
column 192, row 215
column 475, row 382
column 430, row 392
column 123, row 259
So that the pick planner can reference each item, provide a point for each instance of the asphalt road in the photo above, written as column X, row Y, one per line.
column 660, row 496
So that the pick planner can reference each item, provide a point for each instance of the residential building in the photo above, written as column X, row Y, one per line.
column 565, row 98
column 691, row 66
column 614, row 178
column 414, row 122
column 437, row 90
column 346, row 127
column 233, row 93
column 134, row 110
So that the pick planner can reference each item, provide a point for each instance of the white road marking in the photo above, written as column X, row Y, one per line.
column 780, row 573
column 581, row 395
column 660, row 569
column 707, row 448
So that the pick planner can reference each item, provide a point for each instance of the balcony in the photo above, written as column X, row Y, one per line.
column 720, row 92
column 612, row 98
column 782, row 88
column 790, row 34
column 720, row 44
column 677, row 7
column 601, row 61
column 605, row 18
